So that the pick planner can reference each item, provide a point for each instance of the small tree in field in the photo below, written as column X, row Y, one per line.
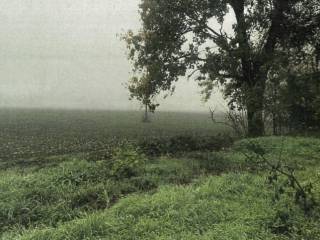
column 141, row 89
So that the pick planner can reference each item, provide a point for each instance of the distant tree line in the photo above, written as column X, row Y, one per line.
column 267, row 66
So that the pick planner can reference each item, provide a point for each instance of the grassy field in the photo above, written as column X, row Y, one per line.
column 196, row 194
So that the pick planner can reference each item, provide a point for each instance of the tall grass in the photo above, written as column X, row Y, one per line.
column 231, row 206
column 160, row 198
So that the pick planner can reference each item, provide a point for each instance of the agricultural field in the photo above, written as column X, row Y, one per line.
column 37, row 136
column 186, row 180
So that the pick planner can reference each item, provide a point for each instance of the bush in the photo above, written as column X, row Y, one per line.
column 127, row 163
column 184, row 143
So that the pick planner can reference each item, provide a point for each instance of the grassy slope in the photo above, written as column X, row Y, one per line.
column 236, row 205
column 222, row 207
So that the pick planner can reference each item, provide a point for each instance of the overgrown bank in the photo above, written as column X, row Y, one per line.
column 239, row 204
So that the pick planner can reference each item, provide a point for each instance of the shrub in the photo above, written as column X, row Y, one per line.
column 184, row 143
column 127, row 163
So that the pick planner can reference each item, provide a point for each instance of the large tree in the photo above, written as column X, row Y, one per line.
column 293, row 91
column 187, row 37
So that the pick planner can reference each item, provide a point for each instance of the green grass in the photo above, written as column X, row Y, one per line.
column 231, row 206
column 172, row 198
column 53, row 195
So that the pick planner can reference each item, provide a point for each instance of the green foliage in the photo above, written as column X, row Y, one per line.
column 217, row 162
column 53, row 195
column 178, row 39
column 300, row 152
column 292, row 94
column 171, row 198
column 143, row 90
column 65, row 192
column 184, row 143
column 302, row 101
column 283, row 177
column 231, row 206
column 127, row 163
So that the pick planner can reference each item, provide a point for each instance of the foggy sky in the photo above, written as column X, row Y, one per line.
column 66, row 54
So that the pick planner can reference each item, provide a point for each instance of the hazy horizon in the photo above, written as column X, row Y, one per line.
column 201, row 110
column 68, row 55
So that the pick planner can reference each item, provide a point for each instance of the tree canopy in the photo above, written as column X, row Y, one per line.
column 194, row 39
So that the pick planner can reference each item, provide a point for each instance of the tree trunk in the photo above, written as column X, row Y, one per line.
column 255, row 120
column 275, row 123
column 253, row 86
column 146, row 117
column 255, row 107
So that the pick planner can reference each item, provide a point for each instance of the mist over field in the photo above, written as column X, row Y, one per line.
column 67, row 54
column 90, row 149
